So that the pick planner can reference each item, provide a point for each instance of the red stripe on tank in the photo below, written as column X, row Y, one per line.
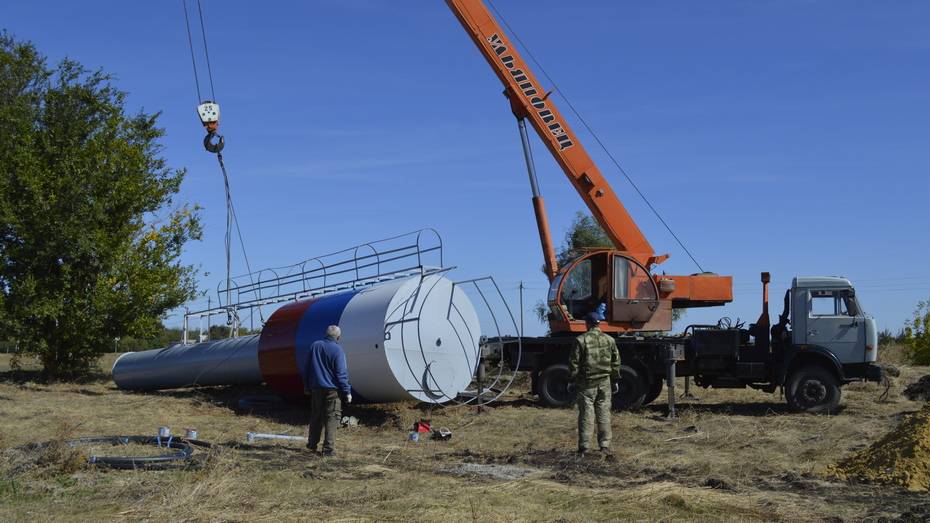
column 277, row 361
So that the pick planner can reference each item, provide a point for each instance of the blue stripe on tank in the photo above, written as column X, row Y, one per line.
column 323, row 312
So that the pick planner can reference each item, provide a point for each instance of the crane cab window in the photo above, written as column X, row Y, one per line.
column 585, row 285
column 631, row 281
column 578, row 283
column 621, row 278
column 833, row 303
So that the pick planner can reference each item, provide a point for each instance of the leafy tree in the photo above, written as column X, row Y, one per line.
column 89, row 239
column 917, row 335
column 584, row 233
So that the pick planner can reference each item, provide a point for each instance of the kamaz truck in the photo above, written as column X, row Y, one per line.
column 822, row 340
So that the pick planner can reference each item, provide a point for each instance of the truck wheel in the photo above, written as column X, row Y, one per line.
column 553, row 386
column 813, row 389
column 633, row 388
column 655, row 389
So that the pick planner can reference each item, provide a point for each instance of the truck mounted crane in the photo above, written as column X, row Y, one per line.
column 822, row 340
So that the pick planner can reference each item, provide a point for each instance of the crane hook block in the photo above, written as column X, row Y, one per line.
column 213, row 146
column 209, row 113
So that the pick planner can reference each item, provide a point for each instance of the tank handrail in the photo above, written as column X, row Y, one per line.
column 359, row 266
column 270, row 300
column 356, row 258
column 415, row 234
column 296, row 278
column 378, row 261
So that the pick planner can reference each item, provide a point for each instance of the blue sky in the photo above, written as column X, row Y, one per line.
column 787, row 136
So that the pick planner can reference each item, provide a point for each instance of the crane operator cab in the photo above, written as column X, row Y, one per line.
column 620, row 286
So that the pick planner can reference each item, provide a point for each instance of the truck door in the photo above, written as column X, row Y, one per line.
column 833, row 322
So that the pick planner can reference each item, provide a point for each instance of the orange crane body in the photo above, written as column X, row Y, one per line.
column 642, row 305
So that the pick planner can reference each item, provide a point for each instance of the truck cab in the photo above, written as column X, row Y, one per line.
column 823, row 340
column 826, row 314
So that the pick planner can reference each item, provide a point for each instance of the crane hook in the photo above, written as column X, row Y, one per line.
column 209, row 112
column 213, row 146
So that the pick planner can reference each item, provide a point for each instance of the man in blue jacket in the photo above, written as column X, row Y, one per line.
column 327, row 378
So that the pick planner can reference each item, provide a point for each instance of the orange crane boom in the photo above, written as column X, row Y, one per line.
column 530, row 101
column 635, row 299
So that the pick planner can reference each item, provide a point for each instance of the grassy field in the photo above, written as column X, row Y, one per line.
column 731, row 455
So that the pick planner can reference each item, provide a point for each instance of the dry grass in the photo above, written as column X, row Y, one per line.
column 894, row 354
column 731, row 455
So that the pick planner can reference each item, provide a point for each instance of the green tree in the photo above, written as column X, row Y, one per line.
column 584, row 233
column 89, row 238
column 917, row 335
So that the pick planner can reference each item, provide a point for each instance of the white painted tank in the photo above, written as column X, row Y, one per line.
column 408, row 339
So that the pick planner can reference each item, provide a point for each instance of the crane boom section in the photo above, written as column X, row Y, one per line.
column 529, row 100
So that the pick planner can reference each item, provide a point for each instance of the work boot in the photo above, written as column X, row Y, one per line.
column 327, row 453
column 581, row 453
column 311, row 449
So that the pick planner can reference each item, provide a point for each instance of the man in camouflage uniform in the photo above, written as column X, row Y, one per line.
column 594, row 365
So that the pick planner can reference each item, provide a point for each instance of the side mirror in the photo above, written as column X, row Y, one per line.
column 851, row 292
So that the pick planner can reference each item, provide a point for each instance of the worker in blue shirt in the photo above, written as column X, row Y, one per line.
column 327, row 377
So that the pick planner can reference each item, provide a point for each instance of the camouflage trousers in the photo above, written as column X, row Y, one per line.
column 594, row 402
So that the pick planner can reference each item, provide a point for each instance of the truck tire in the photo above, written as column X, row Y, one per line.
column 813, row 388
column 655, row 389
column 553, row 386
column 633, row 389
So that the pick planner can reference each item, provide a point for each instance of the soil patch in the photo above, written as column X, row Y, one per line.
column 919, row 391
column 901, row 457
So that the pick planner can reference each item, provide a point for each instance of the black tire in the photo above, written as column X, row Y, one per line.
column 655, row 389
column 553, row 386
column 633, row 389
column 813, row 388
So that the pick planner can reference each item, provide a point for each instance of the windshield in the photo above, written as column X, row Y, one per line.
column 833, row 303
column 578, row 284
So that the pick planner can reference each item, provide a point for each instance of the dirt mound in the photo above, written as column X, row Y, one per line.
column 901, row 457
column 919, row 391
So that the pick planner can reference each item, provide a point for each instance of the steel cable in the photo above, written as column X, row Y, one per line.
column 206, row 52
column 190, row 43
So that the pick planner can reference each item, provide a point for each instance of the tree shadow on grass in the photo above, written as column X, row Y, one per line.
column 23, row 376
column 262, row 402
column 253, row 400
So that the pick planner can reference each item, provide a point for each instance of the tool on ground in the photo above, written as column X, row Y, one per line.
column 252, row 436
column 442, row 434
column 164, row 432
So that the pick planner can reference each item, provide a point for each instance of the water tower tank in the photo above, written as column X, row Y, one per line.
column 411, row 338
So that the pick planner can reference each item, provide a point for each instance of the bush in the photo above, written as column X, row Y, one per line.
column 917, row 335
